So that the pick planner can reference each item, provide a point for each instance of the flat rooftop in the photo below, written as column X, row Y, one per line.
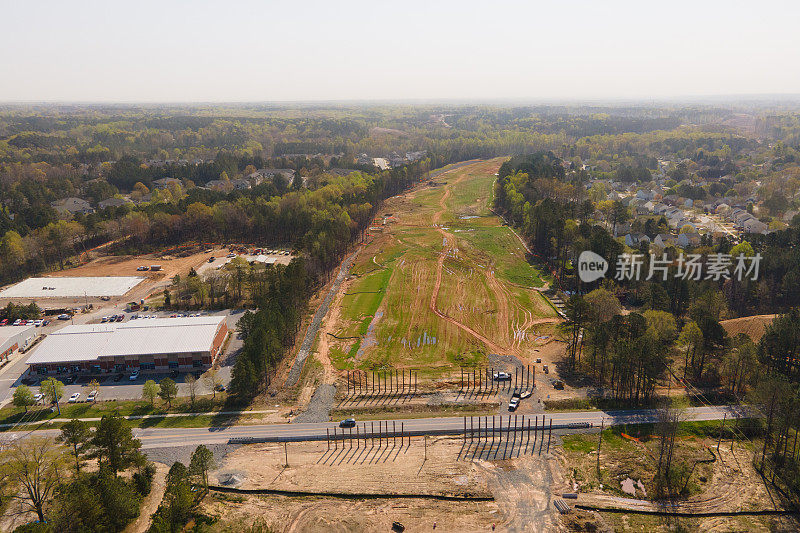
column 149, row 336
column 66, row 287
column 6, row 332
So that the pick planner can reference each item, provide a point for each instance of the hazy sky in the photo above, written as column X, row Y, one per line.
column 175, row 50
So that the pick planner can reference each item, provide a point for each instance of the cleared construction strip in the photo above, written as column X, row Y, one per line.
column 685, row 514
column 357, row 496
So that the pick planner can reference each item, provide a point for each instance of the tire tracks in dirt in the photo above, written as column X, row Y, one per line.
column 447, row 246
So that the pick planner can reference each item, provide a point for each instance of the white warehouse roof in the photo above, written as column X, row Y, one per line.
column 137, row 337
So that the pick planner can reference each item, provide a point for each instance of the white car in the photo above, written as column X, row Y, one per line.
column 92, row 396
column 38, row 397
column 134, row 375
column 502, row 376
column 74, row 398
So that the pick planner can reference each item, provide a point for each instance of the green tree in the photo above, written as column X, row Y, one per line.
column 53, row 390
column 176, row 506
column 75, row 434
column 94, row 385
column 150, row 391
column 113, row 444
column 661, row 326
column 691, row 338
column 12, row 250
column 23, row 397
column 202, row 461
column 167, row 390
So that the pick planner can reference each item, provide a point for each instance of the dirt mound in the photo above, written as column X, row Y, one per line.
column 752, row 326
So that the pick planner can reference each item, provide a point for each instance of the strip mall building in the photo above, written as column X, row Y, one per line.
column 144, row 344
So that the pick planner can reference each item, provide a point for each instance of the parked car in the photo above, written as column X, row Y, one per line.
column 64, row 316
column 134, row 316
column 219, row 388
column 502, row 376
column 45, row 322
column 120, row 318
column 134, row 375
column 525, row 394
column 92, row 396
column 173, row 374
column 17, row 322
column 70, row 380
column 38, row 397
column 347, row 423
column 118, row 377
column 210, row 259
column 513, row 404
column 105, row 298
column 104, row 319
column 142, row 268
column 74, row 398
column 3, row 322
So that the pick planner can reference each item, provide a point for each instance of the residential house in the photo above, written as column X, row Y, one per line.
column 754, row 225
column 219, row 185
column 633, row 240
column 241, row 184
column 114, row 202
column 688, row 239
column 665, row 239
column 72, row 206
column 163, row 183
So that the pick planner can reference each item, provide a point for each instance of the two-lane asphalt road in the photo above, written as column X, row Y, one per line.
column 167, row 437
column 162, row 437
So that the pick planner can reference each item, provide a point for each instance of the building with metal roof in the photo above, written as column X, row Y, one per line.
column 14, row 338
column 145, row 344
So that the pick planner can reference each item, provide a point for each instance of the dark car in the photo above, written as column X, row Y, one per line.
column 69, row 380
column 347, row 423
column 118, row 377
column 173, row 374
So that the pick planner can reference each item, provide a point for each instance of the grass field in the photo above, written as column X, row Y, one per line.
column 442, row 285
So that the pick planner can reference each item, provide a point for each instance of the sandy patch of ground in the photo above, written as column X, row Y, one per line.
column 387, row 468
column 151, row 502
column 752, row 326
column 290, row 514
column 519, row 486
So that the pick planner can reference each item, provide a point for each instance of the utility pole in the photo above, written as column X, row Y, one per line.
column 285, row 454
column 721, row 430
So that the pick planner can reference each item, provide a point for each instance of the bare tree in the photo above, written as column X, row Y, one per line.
column 666, row 429
column 30, row 470
column 212, row 380
column 191, row 387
